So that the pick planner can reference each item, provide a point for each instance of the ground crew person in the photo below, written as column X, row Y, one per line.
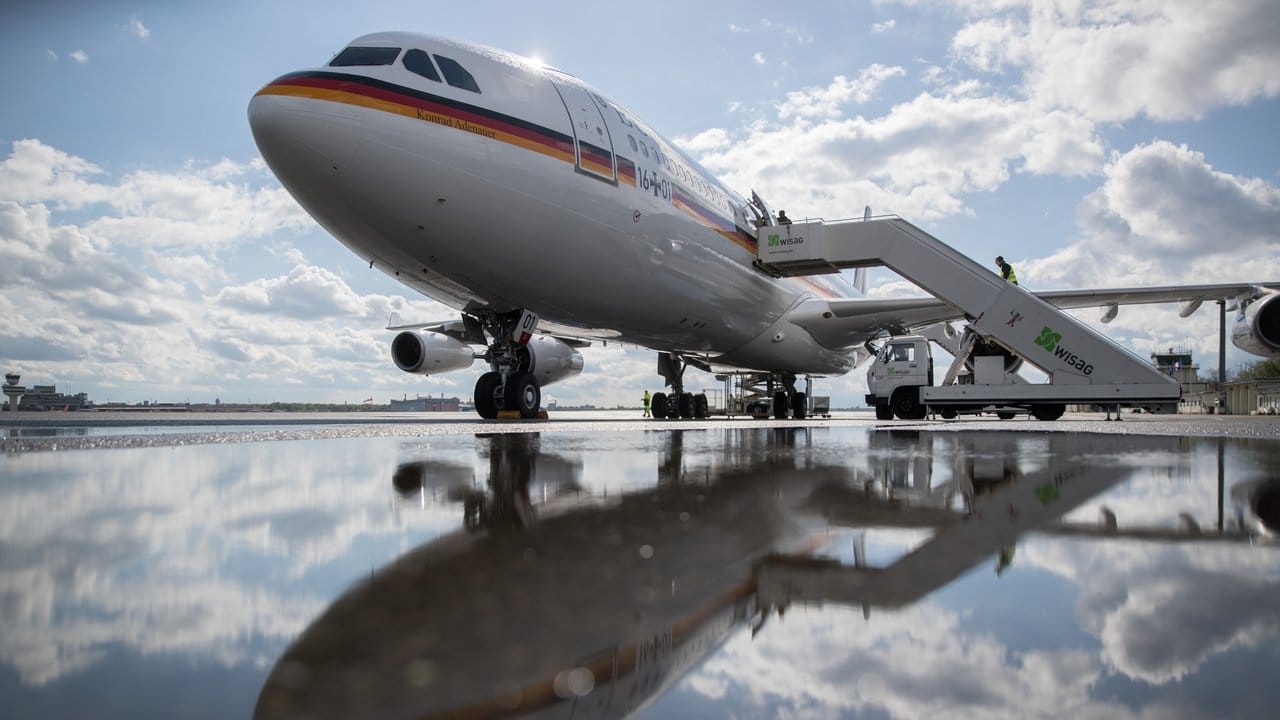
column 1006, row 270
column 646, row 403
column 782, row 218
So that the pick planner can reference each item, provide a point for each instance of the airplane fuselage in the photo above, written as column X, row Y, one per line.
column 535, row 192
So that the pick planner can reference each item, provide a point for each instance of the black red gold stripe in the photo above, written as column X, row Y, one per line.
column 711, row 219
column 399, row 100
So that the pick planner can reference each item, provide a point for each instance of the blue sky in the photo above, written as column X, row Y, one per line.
column 148, row 254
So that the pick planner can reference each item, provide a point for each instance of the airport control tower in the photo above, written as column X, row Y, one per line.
column 13, row 390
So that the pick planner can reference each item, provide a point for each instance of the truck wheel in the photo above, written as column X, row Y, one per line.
column 1048, row 412
column 884, row 412
column 1006, row 415
column 948, row 413
column 799, row 406
column 906, row 404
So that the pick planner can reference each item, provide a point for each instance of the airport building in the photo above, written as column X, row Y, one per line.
column 1256, row 396
column 40, row 397
column 426, row 404
column 1197, row 395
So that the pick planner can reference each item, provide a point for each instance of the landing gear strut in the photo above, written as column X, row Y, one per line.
column 510, row 385
column 677, row 404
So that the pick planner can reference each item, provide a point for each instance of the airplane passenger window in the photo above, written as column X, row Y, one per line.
column 633, row 144
column 456, row 75
column 365, row 56
column 419, row 63
column 644, row 149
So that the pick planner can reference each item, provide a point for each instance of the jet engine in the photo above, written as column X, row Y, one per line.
column 552, row 360
column 429, row 353
column 1258, row 330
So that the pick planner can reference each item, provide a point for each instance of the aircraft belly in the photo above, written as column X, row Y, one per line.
column 489, row 224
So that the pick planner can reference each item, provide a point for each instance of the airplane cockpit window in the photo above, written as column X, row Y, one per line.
column 419, row 63
column 365, row 56
column 456, row 75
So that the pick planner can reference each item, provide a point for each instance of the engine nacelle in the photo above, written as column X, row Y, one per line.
column 1258, row 330
column 430, row 353
column 552, row 360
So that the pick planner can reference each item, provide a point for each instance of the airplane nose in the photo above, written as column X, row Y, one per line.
column 304, row 138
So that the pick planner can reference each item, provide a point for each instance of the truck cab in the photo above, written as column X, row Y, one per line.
column 903, row 365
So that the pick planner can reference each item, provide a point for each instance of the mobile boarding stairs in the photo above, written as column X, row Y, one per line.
column 1083, row 365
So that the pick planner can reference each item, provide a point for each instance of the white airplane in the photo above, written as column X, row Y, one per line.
column 551, row 216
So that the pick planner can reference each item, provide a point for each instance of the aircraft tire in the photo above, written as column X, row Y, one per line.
column 799, row 406
column 884, row 412
column 700, row 407
column 487, row 395
column 658, row 406
column 523, row 395
column 1006, row 415
column 948, row 413
column 686, row 405
column 780, row 406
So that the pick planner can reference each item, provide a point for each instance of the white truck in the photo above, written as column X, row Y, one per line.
column 900, row 383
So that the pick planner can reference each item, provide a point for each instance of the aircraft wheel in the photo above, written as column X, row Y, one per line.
column 1048, row 412
column 658, row 406
column 1006, row 415
column 948, row 413
column 523, row 395
column 883, row 412
column 799, row 406
column 488, row 395
column 700, row 407
column 780, row 406
column 906, row 404
column 686, row 405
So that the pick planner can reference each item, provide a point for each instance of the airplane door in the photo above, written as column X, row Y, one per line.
column 593, row 147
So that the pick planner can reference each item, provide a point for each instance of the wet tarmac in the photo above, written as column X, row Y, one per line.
column 598, row 566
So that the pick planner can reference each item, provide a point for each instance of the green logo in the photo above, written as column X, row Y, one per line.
column 1048, row 339
column 773, row 241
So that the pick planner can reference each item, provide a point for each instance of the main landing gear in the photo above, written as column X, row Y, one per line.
column 677, row 404
column 509, row 385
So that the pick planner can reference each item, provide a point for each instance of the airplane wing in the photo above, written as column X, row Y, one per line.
column 469, row 333
column 853, row 321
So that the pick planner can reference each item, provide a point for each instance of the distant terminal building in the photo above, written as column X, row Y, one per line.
column 1255, row 396
column 40, row 397
column 427, row 404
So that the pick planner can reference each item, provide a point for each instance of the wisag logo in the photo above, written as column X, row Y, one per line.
column 1049, row 341
column 773, row 241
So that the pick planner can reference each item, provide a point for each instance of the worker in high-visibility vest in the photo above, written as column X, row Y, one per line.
column 1006, row 270
column 646, row 403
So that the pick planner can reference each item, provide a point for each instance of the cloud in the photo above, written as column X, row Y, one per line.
column 52, row 55
column 885, row 26
column 919, row 159
column 1164, row 211
column 1116, row 59
column 826, row 102
column 137, row 28
column 758, row 57
column 79, row 56
column 306, row 293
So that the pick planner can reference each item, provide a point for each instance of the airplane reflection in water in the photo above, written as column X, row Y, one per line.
column 586, row 605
